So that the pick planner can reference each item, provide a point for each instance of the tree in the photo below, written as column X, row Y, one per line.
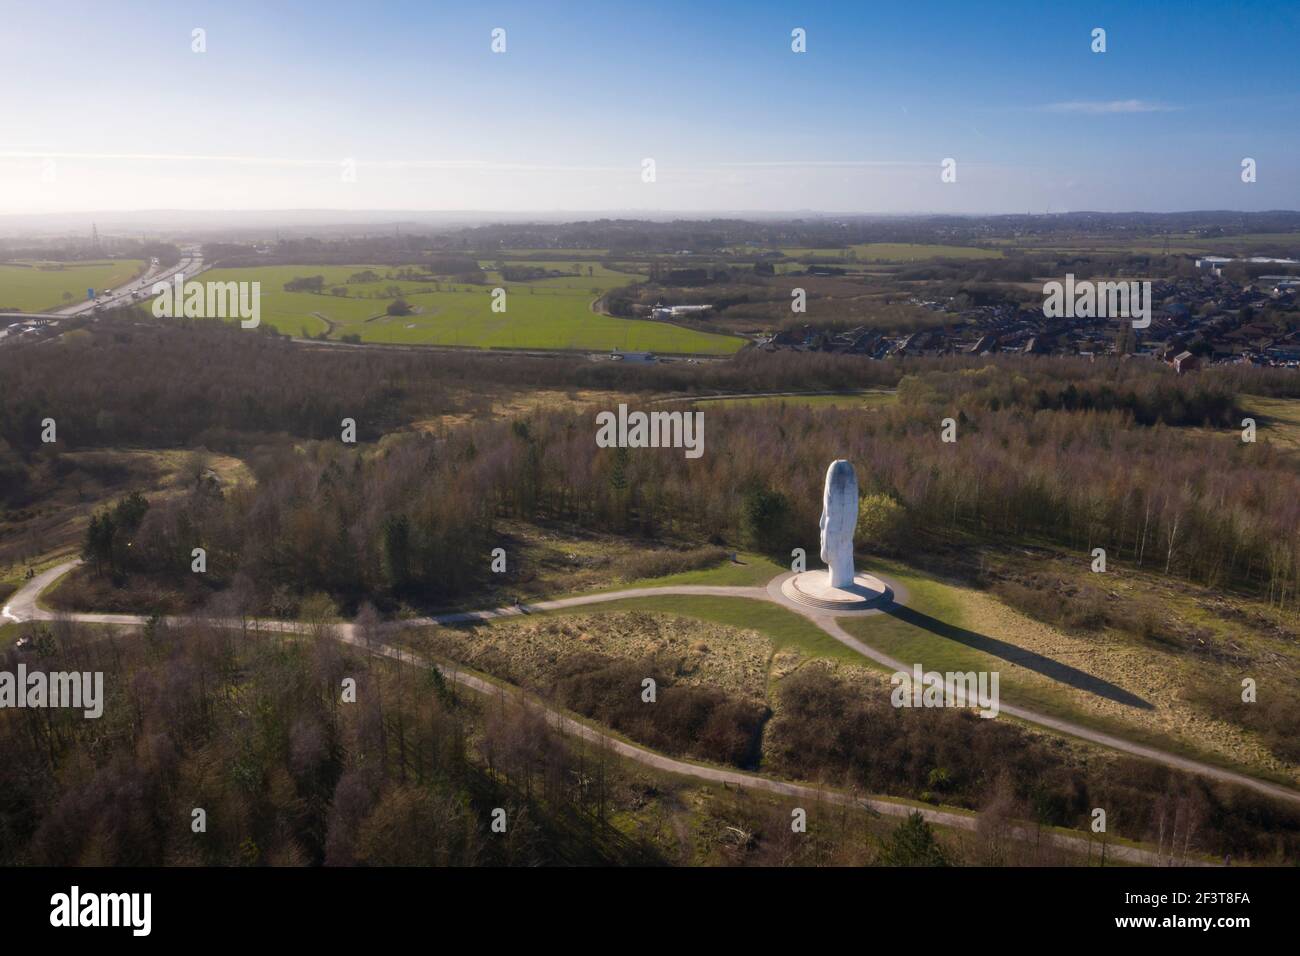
column 305, row 284
column 913, row 844
column 318, row 612
column 618, row 471
column 197, row 464
column 763, row 518
column 97, row 547
column 882, row 522
column 618, row 485
column 367, row 624
column 130, row 511
column 397, row 552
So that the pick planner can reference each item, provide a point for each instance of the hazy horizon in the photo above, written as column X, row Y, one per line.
column 246, row 222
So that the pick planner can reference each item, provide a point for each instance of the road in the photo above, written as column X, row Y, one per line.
column 24, row 606
column 137, row 290
column 190, row 265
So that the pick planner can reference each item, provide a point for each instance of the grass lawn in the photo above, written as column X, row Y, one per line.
column 783, row 627
column 601, row 279
column 37, row 286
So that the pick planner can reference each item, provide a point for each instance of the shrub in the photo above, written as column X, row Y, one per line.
column 882, row 523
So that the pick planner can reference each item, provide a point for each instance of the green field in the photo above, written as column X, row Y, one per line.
column 37, row 286
column 894, row 252
column 549, row 313
column 600, row 279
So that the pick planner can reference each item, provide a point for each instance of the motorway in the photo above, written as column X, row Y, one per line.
column 24, row 606
column 137, row 290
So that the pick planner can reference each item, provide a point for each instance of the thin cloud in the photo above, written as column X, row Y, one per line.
column 1100, row 107
column 470, row 164
column 811, row 163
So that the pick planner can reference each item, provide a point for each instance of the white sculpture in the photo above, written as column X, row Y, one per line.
column 840, row 589
column 839, row 522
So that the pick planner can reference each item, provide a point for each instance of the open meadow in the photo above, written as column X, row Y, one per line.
column 554, row 311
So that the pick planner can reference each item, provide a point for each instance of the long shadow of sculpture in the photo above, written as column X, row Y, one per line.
column 1018, row 655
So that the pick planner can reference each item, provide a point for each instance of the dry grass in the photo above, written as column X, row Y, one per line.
column 1278, row 419
column 549, row 561
column 1148, row 635
column 478, row 404
column 1153, row 674
column 706, row 654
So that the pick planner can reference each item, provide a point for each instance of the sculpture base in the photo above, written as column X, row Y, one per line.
column 812, row 588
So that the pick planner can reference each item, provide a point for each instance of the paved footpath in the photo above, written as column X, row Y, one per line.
column 23, row 606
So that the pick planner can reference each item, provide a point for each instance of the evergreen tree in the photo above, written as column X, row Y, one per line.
column 397, row 552
column 913, row 844
column 97, row 547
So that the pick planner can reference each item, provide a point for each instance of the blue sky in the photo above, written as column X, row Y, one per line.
column 115, row 111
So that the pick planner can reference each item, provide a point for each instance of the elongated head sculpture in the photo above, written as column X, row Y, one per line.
column 839, row 521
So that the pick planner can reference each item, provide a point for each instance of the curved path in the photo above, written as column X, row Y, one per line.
column 830, row 625
column 24, row 606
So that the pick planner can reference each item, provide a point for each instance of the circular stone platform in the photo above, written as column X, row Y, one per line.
column 812, row 588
